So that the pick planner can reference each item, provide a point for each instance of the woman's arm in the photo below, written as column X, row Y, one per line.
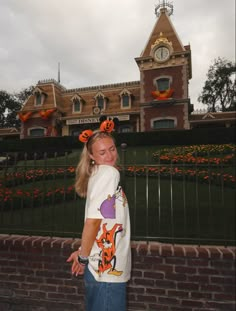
column 90, row 230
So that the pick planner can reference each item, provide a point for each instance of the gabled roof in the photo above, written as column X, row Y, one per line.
column 165, row 27
column 9, row 131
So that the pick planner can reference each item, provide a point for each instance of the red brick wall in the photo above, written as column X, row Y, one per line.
column 34, row 275
column 178, row 82
column 164, row 111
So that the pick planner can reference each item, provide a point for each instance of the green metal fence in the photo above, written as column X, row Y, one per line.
column 179, row 195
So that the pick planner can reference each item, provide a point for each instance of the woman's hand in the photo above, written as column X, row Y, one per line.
column 76, row 268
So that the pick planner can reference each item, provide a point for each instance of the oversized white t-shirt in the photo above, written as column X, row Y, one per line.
column 110, row 257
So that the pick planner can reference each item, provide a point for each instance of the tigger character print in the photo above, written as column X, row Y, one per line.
column 107, row 243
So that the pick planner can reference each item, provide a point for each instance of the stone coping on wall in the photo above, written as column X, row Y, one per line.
column 141, row 247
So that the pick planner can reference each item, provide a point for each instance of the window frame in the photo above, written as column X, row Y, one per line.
column 39, row 97
column 125, row 92
column 36, row 128
column 168, row 118
column 158, row 79
column 99, row 96
column 76, row 99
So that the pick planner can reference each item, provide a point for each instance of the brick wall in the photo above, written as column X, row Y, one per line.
column 34, row 276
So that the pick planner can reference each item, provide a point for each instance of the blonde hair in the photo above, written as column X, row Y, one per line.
column 86, row 167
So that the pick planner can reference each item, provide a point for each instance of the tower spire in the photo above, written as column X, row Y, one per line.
column 59, row 74
column 164, row 6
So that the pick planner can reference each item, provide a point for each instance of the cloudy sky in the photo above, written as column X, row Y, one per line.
column 86, row 35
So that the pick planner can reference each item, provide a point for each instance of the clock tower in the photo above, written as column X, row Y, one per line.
column 165, row 71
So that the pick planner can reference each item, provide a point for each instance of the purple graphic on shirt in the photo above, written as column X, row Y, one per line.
column 107, row 208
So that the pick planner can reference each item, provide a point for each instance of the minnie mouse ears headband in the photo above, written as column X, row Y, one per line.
column 106, row 126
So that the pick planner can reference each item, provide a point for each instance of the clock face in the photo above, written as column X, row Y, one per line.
column 162, row 53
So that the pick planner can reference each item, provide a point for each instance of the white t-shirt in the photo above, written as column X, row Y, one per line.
column 110, row 257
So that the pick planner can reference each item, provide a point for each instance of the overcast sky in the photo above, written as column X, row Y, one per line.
column 86, row 35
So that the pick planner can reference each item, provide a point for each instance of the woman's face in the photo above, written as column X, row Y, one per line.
column 104, row 151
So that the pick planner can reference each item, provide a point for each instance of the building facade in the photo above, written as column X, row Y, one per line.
column 159, row 100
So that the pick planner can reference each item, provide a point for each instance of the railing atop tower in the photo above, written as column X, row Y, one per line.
column 164, row 5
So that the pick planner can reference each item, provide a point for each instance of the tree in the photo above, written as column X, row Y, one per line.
column 8, row 107
column 10, row 104
column 219, row 90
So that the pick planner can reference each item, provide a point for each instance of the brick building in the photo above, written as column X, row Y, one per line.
column 160, row 100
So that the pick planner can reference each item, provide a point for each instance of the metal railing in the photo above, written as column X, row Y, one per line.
column 174, row 200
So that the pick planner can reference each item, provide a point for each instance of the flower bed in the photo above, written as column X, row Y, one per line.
column 15, row 198
column 197, row 154
column 33, row 175
column 204, row 163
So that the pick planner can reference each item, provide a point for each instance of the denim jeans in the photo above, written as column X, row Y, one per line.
column 103, row 296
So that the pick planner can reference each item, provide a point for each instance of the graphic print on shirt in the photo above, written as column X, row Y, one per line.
column 108, row 206
column 107, row 243
column 107, row 240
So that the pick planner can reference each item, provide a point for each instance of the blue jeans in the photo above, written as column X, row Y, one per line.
column 103, row 296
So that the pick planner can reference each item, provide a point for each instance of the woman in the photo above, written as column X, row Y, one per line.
column 104, row 256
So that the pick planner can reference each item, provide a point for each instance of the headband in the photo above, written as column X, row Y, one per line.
column 106, row 126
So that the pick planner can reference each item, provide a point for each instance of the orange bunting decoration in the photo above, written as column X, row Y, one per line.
column 107, row 126
column 24, row 116
column 84, row 136
column 46, row 113
column 162, row 95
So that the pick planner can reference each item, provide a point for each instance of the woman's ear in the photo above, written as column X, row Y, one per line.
column 91, row 156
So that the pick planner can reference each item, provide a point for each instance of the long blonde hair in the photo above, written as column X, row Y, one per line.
column 86, row 167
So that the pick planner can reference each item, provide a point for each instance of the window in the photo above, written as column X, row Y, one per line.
column 163, row 84
column 126, row 129
column 100, row 102
column 125, row 100
column 38, row 99
column 77, row 104
column 125, row 96
column 163, row 124
column 37, row 132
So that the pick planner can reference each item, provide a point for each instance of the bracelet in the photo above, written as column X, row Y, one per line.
column 83, row 260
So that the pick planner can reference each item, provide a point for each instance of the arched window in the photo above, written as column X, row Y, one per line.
column 126, row 99
column 163, row 84
column 77, row 104
column 39, row 97
column 101, row 101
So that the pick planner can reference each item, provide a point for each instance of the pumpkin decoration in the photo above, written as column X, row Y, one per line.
column 24, row 116
column 46, row 113
column 162, row 95
column 84, row 136
column 107, row 126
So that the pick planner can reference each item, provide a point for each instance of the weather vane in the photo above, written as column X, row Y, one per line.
column 164, row 5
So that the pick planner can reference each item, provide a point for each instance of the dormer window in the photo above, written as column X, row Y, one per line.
column 77, row 104
column 101, row 101
column 39, row 97
column 126, row 99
